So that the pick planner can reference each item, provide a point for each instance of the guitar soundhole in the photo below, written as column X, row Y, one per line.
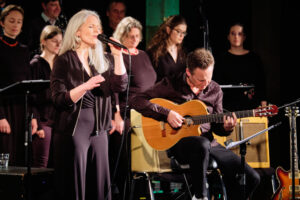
column 188, row 120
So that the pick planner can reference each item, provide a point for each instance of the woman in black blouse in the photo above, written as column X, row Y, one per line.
column 165, row 48
column 143, row 76
column 41, row 67
column 82, row 83
column 240, row 66
column 14, row 67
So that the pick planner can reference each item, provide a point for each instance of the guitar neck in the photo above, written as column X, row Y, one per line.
column 218, row 118
column 292, row 113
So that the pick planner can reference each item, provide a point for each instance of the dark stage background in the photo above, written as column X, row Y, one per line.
column 272, row 33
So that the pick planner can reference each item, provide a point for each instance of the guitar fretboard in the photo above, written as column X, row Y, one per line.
column 218, row 118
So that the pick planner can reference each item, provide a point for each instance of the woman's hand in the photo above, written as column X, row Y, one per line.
column 34, row 126
column 116, row 51
column 94, row 82
column 117, row 124
column 4, row 126
column 40, row 133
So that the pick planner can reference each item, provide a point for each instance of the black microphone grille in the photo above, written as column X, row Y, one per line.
column 102, row 36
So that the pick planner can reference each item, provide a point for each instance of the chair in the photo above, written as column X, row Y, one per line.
column 149, row 164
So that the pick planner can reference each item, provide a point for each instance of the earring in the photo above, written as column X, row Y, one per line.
column 77, row 41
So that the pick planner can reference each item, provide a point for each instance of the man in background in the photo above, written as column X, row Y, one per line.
column 51, row 15
column 115, row 12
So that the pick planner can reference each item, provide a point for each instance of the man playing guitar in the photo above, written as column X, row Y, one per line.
column 197, row 84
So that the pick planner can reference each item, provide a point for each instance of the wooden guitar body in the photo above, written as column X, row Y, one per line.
column 161, row 135
column 284, row 191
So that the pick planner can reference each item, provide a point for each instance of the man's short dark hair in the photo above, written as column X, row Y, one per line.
column 199, row 58
column 115, row 1
column 47, row 1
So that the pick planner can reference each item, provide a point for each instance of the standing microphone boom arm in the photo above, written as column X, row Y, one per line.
column 103, row 38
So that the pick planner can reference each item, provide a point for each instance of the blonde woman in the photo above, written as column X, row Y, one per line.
column 129, row 33
column 41, row 67
column 82, row 83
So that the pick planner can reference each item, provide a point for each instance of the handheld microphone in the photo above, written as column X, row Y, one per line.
column 105, row 39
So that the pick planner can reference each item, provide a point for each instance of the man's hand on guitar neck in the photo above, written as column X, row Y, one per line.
column 175, row 119
column 229, row 122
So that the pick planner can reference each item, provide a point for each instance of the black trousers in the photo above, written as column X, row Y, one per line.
column 81, row 162
column 230, row 166
column 196, row 150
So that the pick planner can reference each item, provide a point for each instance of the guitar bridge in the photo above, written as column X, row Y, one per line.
column 163, row 129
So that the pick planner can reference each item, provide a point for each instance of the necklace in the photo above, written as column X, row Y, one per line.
column 131, row 53
column 11, row 45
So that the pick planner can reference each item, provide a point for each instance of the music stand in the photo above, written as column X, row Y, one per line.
column 233, row 96
column 237, row 86
column 243, row 150
column 26, row 88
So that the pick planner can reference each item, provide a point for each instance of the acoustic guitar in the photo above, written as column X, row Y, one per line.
column 285, row 178
column 161, row 136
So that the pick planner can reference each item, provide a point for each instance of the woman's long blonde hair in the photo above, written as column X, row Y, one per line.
column 72, row 42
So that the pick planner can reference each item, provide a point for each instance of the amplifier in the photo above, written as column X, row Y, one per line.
column 14, row 183
column 257, row 155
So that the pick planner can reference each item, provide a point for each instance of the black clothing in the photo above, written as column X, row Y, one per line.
column 143, row 77
column 167, row 67
column 245, row 69
column 195, row 150
column 34, row 29
column 80, row 129
column 14, row 67
column 40, row 69
column 63, row 79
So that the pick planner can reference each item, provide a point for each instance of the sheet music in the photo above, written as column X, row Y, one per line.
column 233, row 144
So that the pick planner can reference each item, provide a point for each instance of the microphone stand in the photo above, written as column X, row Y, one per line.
column 124, row 116
column 243, row 150
column 204, row 27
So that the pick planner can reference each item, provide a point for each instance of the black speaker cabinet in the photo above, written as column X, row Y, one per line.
column 258, row 148
column 14, row 183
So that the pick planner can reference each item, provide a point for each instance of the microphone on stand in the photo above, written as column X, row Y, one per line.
column 103, row 38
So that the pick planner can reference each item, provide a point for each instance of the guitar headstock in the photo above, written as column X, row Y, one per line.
column 266, row 111
column 292, row 111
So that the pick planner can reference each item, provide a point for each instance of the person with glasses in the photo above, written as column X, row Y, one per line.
column 143, row 76
column 165, row 48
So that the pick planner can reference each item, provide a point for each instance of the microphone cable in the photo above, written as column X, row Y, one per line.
column 124, row 126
